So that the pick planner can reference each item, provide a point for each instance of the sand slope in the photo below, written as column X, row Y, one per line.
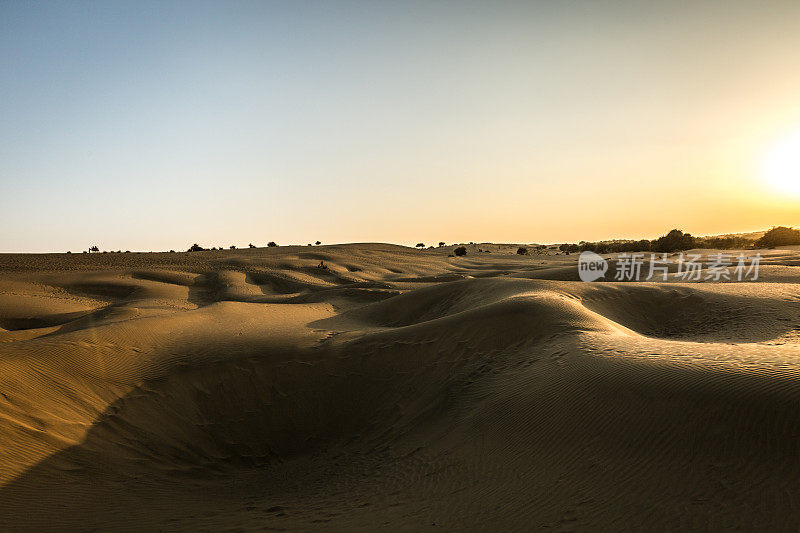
column 250, row 389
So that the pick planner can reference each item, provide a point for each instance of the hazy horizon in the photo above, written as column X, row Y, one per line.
column 150, row 126
column 241, row 245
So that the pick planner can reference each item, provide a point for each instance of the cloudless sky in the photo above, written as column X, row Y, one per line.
column 153, row 125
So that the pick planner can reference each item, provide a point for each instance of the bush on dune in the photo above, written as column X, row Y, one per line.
column 674, row 241
column 779, row 236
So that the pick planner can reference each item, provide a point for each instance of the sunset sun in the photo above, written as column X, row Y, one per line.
column 782, row 166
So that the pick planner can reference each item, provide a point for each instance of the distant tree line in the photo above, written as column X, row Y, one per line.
column 197, row 248
column 676, row 240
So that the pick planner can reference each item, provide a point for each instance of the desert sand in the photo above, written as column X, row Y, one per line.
column 398, row 388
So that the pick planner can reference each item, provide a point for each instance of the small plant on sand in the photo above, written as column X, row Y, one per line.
column 460, row 251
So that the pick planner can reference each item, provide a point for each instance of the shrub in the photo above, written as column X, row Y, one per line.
column 460, row 251
column 195, row 248
column 726, row 243
column 441, row 243
column 522, row 251
column 674, row 241
column 251, row 245
column 420, row 245
column 94, row 249
column 271, row 244
column 779, row 236
column 317, row 243
column 232, row 246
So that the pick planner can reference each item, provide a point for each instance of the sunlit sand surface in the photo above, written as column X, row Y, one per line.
column 254, row 390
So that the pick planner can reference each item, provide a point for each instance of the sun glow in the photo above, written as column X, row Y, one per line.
column 782, row 166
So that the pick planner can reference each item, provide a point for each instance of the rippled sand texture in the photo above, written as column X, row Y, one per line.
column 250, row 389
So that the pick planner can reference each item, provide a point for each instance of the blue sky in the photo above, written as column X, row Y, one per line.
column 153, row 125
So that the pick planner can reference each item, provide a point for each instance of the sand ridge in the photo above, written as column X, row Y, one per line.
column 396, row 387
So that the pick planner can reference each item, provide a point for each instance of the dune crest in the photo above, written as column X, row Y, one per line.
column 395, row 387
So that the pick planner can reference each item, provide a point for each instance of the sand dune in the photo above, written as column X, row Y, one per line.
column 250, row 389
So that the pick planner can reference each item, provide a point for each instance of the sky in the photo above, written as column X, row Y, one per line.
column 154, row 125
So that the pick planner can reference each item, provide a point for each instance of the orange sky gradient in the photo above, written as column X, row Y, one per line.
column 151, row 126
